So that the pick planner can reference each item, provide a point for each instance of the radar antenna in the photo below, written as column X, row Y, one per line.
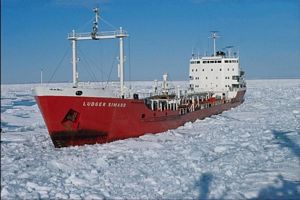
column 229, row 48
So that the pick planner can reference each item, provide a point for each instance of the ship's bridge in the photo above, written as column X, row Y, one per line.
column 219, row 73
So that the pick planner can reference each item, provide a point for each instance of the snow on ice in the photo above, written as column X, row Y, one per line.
column 249, row 152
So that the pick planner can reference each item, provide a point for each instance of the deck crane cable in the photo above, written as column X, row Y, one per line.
column 86, row 24
column 59, row 63
column 112, row 65
column 88, row 68
column 97, row 66
column 107, row 23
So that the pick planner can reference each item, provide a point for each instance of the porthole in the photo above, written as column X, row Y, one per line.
column 78, row 93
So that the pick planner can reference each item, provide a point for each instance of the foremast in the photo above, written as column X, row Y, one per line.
column 97, row 35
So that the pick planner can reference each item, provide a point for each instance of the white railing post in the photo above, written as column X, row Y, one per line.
column 74, row 61
column 121, row 66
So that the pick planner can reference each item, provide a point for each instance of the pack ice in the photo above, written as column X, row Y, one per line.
column 249, row 152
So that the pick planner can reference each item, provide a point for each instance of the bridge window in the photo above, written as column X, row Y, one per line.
column 235, row 78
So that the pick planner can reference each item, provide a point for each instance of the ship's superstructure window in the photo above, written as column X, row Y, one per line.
column 231, row 61
column 211, row 61
column 198, row 62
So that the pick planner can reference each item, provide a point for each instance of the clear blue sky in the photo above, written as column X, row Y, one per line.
column 162, row 36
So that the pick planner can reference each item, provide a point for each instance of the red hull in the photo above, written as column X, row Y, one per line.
column 75, row 121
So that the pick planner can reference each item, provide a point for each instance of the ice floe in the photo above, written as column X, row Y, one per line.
column 249, row 152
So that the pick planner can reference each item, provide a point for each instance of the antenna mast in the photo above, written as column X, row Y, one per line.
column 214, row 36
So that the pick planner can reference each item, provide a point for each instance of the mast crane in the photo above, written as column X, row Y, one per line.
column 97, row 35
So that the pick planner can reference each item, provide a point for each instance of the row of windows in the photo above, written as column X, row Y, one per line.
column 211, row 69
column 214, row 61
column 231, row 61
column 206, row 86
column 226, row 77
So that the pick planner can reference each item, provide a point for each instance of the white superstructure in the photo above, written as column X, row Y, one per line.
column 219, row 73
